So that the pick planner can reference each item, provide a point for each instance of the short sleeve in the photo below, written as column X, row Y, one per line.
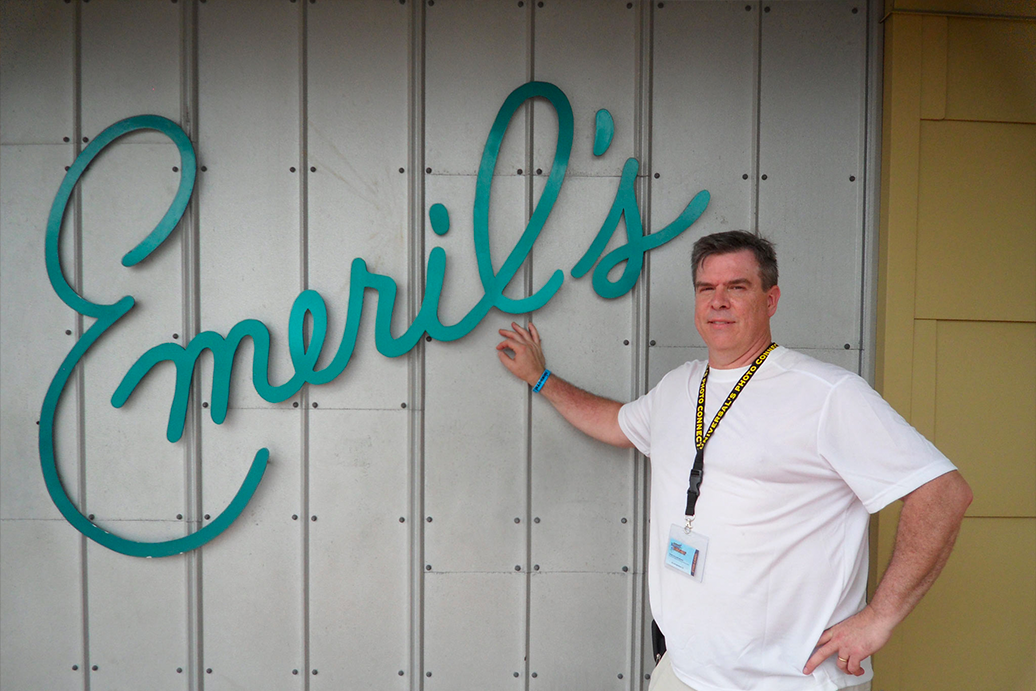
column 635, row 421
column 879, row 454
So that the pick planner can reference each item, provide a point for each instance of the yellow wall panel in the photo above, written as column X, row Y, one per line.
column 934, row 39
column 976, row 628
column 991, row 70
column 997, row 8
column 976, row 222
column 985, row 412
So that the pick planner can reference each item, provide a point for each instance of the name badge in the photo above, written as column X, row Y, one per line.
column 686, row 552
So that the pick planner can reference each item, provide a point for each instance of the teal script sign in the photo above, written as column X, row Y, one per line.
column 309, row 304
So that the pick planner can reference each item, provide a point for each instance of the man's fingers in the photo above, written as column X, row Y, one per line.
column 534, row 332
column 819, row 656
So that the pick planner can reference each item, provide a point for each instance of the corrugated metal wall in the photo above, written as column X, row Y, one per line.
column 424, row 521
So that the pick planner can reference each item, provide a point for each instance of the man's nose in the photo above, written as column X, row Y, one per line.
column 720, row 298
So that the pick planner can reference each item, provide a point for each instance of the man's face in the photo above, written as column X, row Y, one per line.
column 731, row 310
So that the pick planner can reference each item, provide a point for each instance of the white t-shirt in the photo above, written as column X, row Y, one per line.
column 805, row 453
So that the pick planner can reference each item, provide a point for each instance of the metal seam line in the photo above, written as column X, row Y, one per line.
column 80, row 415
column 641, row 309
column 304, row 407
column 191, row 320
column 757, row 78
column 416, row 360
column 528, row 166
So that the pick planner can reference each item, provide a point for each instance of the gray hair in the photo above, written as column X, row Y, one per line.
column 732, row 241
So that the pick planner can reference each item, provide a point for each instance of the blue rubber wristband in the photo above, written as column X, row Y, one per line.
column 542, row 381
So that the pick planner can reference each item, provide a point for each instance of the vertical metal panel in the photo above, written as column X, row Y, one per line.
column 132, row 471
column 475, row 632
column 358, row 141
column 252, row 574
column 475, row 57
column 580, row 486
column 358, row 597
column 36, row 71
column 661, row 360
column 41, row 600
column 475, row 456
column 812, row 89
column 33, row 340
column 138, row 616
column 124, row 193
column 597, row 70
column 576, row 639
column 248, row 197
column 130, row 62
column 702, row 138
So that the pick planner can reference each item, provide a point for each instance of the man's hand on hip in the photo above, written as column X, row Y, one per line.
column 852, row 641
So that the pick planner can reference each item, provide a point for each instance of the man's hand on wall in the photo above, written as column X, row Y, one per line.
column 526, row 360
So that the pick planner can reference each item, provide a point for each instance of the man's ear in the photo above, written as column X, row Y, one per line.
column 773, row 296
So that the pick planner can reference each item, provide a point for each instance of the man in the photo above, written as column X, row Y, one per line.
column 758, row 562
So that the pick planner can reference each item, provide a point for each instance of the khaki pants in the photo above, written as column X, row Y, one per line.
column 663, row 679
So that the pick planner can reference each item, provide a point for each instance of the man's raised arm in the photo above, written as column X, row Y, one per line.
column 593, row 415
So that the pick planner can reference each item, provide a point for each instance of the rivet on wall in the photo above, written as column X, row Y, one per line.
column 94, row 668
column 745, row 176
column 764, row 176
column 205, row 404
column 208, row 671
column 852, row 178
column 534, row 675
column 207, row 517
column 402, row 170
column 294, row 404
column 400, row 672
column 292, row 169
column 519, row 171
column 516, row 675
column 847, row 346
column 658, row 175
column 402, row 519
column 176, row 169
column 67, row 140
column 313, row 518
column 625, row 569
column 517, row 567
column 622, row 520
column 402, row 405
column 294, row 671
column 179, row 670
column 75, row 668
column 294, row 517
column 536, row 520
column 312, row 169
column 314, row 404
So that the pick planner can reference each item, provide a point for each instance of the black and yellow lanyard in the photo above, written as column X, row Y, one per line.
column 701, row 436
